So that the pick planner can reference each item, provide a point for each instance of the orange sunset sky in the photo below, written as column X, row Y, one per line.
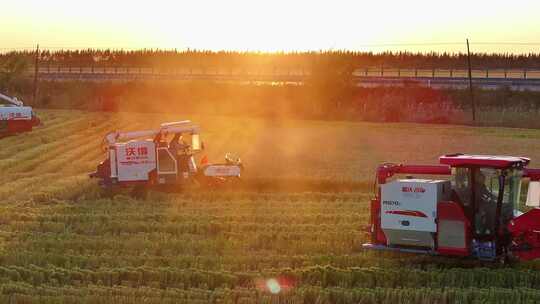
column 415, row 25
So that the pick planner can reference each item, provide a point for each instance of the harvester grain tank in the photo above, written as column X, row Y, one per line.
column 468, row 210
column 162, row 156
column 15, row 117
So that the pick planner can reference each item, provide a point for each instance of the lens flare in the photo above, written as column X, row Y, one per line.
column 273, row 286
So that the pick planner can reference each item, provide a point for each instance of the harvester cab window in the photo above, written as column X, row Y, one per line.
column 178, row 146
column 195, row 142
column 166, row 161
column 512, row 193
column 486, row 191
column 487, row 185
column 462, row 186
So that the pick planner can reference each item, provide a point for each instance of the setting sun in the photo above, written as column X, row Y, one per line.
column 272, row 25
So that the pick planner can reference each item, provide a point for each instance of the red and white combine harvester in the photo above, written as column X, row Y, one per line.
column 161, row 157
column 15, row 117
column 471, row 214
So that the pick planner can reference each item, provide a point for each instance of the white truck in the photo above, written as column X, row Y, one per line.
column 15, row 117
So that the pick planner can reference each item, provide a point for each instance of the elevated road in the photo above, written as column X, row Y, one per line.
column 488, row 79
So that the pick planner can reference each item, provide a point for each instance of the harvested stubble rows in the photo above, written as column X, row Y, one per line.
column 60, row 242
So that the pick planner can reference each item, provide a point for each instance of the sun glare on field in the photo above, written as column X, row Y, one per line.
column 273, row 286
column 276, row 285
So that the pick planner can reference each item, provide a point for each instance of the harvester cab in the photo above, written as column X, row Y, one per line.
column 473, row 212
column 164, row 156
column 15, row 117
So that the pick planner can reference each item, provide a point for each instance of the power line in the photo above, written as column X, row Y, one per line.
column 507, row 43
column 84, row 48
column 412, row 44
column 370, row 45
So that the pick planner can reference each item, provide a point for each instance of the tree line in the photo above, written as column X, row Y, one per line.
column 247, row 60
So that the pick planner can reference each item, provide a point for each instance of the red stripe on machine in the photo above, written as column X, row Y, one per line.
column 407, row 212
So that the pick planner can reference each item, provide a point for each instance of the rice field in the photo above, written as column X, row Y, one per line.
column 63, row 241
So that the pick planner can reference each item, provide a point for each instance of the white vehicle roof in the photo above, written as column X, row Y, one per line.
column 13, row 101
column 180, row 127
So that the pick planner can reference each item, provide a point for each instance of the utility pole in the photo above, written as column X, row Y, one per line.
column 36, row 73
column 470, row 82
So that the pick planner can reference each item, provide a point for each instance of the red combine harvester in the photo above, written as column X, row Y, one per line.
column 471, row 214
column 15, row 117
column 147, row 158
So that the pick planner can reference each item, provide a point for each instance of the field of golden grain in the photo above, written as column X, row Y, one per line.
column 62, row 241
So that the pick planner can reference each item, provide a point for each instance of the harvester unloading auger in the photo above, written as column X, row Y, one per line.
column 472, row 214
column 162, row 157
column 15, row 117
